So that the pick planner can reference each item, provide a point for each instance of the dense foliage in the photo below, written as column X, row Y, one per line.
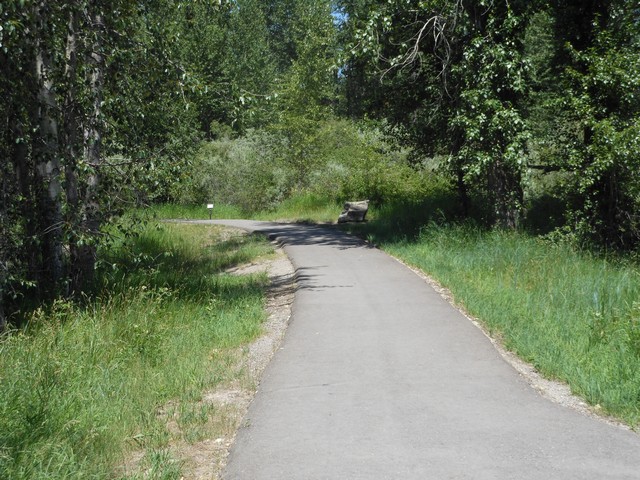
column 104, row 102
column 341, row 160
column 90, row 95
column 506, row 90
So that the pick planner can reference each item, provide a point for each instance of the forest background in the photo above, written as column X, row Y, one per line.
column 525, row 112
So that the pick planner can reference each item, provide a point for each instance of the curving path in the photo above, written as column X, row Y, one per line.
column 378, row 377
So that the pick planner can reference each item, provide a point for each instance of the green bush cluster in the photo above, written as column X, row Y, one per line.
column 245, row 171
column 334, row 159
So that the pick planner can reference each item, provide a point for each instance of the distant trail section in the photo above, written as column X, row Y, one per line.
column 379, row 377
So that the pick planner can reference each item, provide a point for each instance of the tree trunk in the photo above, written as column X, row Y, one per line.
column 463, row 192
column 24, row 172
column 71, row 148
column 461, row 184
column 6, row 194
column 507, row 196
column 47, row 157
column 3, row 320
column 91, row 221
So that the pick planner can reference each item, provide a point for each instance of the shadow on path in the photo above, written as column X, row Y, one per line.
column 300, row 234
column 293, row 234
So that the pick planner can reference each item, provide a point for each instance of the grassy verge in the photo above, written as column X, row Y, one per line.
column 305, row 207
column 84, row 386
column 194, row 212
column 575, row 317
column 300, row 208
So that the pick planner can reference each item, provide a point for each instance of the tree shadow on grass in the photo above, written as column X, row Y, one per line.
column 190, row 273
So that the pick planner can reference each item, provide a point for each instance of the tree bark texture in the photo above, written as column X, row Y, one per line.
column 72, row 146
column 505, row 190
column 91, row 218
column 46, row 151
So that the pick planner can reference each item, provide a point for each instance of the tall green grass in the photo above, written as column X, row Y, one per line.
column 304, row 207
column 574, row 316
column 194, row 212
column 83, row 384
column 431, row 200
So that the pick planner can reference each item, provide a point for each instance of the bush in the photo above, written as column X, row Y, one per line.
column 355, row 161
column 245, row 172
column 333, row 159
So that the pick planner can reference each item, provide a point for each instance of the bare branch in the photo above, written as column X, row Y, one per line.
column 435, row 27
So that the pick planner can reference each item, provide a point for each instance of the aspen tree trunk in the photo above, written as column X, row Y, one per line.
column 4, row 248
column 461, row 184
column 47, row 157
column 91, row 221
column 24, row 172
column 24, row 177
column 71, row 136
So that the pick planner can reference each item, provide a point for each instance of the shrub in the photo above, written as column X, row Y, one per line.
column 245, row 172
column 332, row 158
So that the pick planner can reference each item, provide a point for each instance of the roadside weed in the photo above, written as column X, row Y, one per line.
column 83, row 386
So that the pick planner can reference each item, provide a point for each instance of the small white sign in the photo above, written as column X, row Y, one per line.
column 209, row 205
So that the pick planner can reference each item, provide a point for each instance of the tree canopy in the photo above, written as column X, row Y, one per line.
column 103, row 101
column 504, row 88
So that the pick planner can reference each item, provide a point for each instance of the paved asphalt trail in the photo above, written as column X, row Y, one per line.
column 380, row 378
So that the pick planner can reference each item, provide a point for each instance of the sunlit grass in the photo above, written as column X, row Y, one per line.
column 304, row 207
column 194, row 212
column 82, row 385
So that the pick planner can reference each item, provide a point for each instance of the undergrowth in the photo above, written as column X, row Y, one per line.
column 304, row 207
column 194, row 212
column 82, row 385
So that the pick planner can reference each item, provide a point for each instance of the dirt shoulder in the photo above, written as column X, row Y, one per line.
column 235, row 398
column 206, row 459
